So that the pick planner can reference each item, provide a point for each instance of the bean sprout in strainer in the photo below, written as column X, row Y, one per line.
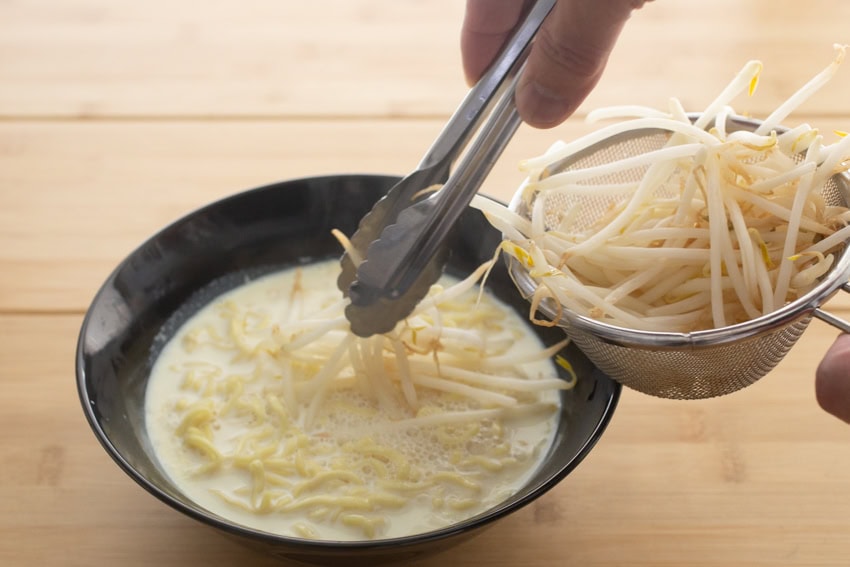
column 685, row 254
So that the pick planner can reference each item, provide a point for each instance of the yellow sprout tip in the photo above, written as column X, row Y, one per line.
column 754, row 81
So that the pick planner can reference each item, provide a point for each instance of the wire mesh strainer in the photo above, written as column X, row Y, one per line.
column 692, row 365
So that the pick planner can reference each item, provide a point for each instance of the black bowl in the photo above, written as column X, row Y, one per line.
column 215, row 248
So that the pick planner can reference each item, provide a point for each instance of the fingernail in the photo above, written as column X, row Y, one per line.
column 541, row 107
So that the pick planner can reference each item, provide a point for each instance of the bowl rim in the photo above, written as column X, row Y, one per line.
column 307, row 546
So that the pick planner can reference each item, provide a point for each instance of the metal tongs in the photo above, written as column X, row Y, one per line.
column 400, row 241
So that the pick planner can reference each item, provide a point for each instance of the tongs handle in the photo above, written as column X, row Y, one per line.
column 468, row 116
column 435, row 166
column 401, row 240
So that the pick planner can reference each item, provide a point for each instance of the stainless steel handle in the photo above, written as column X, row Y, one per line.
column 828, row 317
column 471, row 112
column 445, row 207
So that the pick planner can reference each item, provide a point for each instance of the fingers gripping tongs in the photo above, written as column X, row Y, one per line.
column 397, row 252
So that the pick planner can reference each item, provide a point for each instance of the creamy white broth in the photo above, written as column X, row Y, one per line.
column 312, row 440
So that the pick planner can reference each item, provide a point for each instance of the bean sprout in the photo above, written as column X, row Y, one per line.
column 716, row 226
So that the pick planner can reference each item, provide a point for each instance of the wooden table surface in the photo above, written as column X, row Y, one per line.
column 118, row 117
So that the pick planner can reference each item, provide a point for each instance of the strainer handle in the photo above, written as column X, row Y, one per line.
column 836, row 322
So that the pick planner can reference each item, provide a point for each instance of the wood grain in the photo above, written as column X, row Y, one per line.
column 94, row 58
column 117, row 118
column 140, row 176
column 77, row 197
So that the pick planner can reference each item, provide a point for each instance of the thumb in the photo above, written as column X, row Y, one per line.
column 832, row 380
column 568, row 57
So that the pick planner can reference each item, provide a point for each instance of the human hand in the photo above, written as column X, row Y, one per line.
column 566, row 60
column 832, row 379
